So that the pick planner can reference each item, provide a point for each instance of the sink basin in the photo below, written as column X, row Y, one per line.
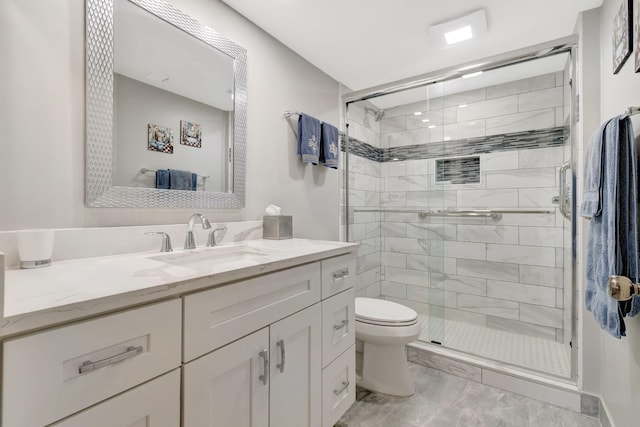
column 215, row 255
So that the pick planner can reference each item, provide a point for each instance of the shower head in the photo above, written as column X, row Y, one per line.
column 377, row 114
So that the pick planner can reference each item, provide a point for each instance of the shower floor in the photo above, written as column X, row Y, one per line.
column 529, row 352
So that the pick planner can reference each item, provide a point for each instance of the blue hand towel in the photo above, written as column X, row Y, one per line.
column 181, row 180
column 309, row 138
column 329, row 146
column 612, row 246
column 162, row 179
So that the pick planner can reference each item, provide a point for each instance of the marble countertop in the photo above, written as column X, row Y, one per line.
column 75, row 289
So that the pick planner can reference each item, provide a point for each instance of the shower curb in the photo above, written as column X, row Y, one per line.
column 546, row 389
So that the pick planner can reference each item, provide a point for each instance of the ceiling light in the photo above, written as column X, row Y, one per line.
column 459, row 35
column 425, row 120
column 432, row 127
column 462, row 105
column 466, row 27
column 468, row 76
column 417, row 113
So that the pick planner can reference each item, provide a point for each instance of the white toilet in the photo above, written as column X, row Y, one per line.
column 385, row 328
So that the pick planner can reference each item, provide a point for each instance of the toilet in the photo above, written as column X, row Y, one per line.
column 385, row 327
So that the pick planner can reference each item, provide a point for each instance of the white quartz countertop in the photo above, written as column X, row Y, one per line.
column 75, row 289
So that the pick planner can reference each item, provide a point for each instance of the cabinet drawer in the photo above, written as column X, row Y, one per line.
column 338, row 274
column 338, row 387
column 153, row 404
column 219, row 316
column 64, row 370
column 338, row 325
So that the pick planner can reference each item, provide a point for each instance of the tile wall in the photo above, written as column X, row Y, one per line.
column 505, row 273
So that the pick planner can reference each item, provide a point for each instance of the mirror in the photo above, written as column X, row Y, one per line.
column 166, row 109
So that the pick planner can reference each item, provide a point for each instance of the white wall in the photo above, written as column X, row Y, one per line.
column 620, row 379
column 138, row 105
column 42, row 124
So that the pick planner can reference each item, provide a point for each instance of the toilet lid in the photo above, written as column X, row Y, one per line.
column 381, row 312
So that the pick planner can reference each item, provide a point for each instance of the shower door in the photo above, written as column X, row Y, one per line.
column 455, row 194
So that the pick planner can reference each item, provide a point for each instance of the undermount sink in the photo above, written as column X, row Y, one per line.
column 215, row 255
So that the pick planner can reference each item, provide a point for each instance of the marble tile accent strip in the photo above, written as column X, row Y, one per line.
column 454, row 367
column 525, row 140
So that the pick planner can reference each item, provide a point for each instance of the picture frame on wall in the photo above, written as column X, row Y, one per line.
column 622, row 34
column 160, row 139
column 636, row 33
column 190, row 134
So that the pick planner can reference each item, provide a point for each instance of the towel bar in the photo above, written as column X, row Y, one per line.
column 622, row 288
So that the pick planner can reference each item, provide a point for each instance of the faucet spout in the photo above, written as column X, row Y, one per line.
column 190, row 241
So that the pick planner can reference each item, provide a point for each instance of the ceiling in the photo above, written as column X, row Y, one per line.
column 364, row 43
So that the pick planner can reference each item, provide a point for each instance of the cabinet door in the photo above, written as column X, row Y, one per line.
column 230, row 386
column 296, row 370
column 153, row 404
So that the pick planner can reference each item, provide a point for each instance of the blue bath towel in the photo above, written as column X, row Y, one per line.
column 309, row 139
column 329, row 146
column 182, row 180
column 162, row 179
column 610, row 200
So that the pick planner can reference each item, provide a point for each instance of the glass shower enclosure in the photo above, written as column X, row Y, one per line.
column 458, row 190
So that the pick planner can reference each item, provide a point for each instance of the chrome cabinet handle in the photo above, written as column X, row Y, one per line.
column 88, row 365
column 340, row 274
column 341, row 325
column 344, row 386
column 280, row 365
column 265, row 366
column 564, row 195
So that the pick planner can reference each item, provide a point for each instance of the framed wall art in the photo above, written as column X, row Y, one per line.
column 190, row 134
column 160, row 139
column 622, row 34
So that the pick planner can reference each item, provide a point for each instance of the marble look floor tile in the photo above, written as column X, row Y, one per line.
column 444, row 400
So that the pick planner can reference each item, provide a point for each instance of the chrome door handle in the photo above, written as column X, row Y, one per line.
column 280, row 365
column 341, row 325
column 88, row 365
column 564, row 194
column 265, row 366
column 344, row 386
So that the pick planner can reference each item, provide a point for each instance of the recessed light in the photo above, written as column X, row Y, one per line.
column 425, row 120
column 471, row 26
column 462, row 105
column 468, row 76
column 459, row 35
column 417, row 113
column 432, row 127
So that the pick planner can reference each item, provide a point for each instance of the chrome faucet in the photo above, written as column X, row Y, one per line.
column 211, row 242
column 190, row 241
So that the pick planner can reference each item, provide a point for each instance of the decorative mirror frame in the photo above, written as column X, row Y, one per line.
column 99, row 189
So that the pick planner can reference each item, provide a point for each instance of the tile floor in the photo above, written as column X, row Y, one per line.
column 538, row 354
column 444, row 400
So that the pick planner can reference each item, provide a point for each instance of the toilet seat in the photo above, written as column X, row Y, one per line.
column 384, row 313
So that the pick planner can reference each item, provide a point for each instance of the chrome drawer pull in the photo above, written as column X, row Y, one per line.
column 338, row 392
column 281, row 364
column 89, row 366
column 265, row 366
column 342, row 324
column 341, row 274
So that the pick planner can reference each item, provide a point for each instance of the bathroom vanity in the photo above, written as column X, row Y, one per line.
column 259, row 332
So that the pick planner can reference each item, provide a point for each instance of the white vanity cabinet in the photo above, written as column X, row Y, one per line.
column 274, row 349
column 270, row 377
column 52, row 374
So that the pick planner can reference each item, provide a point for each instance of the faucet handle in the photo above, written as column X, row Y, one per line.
column 211, row 241
column 166, row 241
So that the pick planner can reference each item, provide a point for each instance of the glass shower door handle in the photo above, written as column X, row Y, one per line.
column 564, row 191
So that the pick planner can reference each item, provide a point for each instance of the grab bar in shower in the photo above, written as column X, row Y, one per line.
column 477, row 213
